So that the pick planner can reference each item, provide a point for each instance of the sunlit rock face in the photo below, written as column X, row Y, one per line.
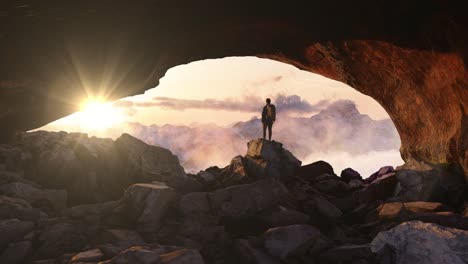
column 410, row 57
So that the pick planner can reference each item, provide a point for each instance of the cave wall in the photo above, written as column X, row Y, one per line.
column 410, row 57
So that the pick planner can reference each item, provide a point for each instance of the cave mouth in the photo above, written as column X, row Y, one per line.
column 206, row 112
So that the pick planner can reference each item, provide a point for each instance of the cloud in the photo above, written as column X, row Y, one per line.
column 249, row 104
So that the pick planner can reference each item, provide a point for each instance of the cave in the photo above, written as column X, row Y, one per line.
column 409, row 57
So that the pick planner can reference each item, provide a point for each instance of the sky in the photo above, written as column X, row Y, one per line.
column 187, row 93
column 222, row 92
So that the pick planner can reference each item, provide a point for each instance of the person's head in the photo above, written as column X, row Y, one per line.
column 268, row 101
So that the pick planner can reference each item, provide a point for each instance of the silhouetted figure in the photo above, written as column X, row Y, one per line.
column 268, row 117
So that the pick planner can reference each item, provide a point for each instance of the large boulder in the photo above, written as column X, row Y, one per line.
column 18, row 208
column 47, row 199
column 417, row 242
column 248, row 199
column 249, row 254
column 16, row 253
column 282, row 216
column 270, row 159
column 147, row 203
column 380, row 189
column 236, row 173
column 349, row 174
column 310, row 171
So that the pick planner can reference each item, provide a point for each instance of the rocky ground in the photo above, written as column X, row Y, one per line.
column 67, row 198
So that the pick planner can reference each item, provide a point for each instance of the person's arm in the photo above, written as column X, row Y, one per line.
column 274, row 113
column 263, row 114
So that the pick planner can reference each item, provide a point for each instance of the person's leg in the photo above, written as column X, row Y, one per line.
column 264, row 129
column 270, row 125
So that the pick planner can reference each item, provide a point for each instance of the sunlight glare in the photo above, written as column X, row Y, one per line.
column 96, row 114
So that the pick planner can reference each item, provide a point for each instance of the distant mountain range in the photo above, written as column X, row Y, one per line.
column 338, row 128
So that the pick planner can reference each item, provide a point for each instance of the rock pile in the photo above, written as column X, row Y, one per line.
column 262, row 208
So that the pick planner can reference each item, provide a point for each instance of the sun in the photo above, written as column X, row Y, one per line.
column 96, row 114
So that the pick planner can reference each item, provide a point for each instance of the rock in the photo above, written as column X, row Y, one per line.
column 346, row 253
column 269, row 159
column 16, row 253
column 235, row 173
column 43, row 198
column 93, row 255
column 18, row 208
column 151, row 162
column 120, row 238
column 381, row 172
column 282, row 242
column 12, row 230
column 312, row 170
column 390, row 210
column 423, row 207
column 248, row 199
column 332, row 185
column 195, row 203
column 417, row 242
column 85, row 210
column 349, row 174
column 251, row 255
column 435, row 185
column 61, row 236
column 147, row 203
column 356, row 184
column 282, row 216
column 379, row 189
column 155, row 254
column 324, row 208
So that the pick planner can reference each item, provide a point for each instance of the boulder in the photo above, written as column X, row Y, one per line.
column 283, row 242
column 310, row 171
column 324, row 208
column 50, row 200
column 155, row 254
column 380, row 189
column 113, row 241
column 349, row 174
column 18, row 208
column 152, row 163
column 269, row 159
column 381, row 172
column 235, row 173
column 417, row 242
column 16, row 253
column 249, row 254
column 282, row 216
column 92, row 255
column 248, row 199
column 86, row 210
column 332, row 185
column 12, row 230
column 146, row 204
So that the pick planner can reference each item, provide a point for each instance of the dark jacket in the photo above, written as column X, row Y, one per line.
column 266, row 117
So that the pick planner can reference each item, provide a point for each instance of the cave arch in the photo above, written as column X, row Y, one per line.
column 410, row 58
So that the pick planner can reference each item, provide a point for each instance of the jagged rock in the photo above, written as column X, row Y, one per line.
column 236, row 172
column 282, row 242
column 207, row 177
column 155, row 254
column 44, row 198
column 379, row 189
column 248, row 254
column 248, row 199
column 423, row 207
column 349, row 174
column 269, row 159
column 310, row 171
column 12, row 230
column 147, row 203
column 417, row 242
column 18, row 208
column 282, row 216
column 346, row 253
column 92, row 255
column 113, row 241
column 151, row 162
column 331, row 185
column 16, row 253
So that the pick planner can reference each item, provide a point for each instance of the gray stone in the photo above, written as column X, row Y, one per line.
column 282, row 242
column 282, row 216
column 147, row 203
column 417, row 242
column 18, row 208
column 248, row 199
column 12, row 230
column 16, row 253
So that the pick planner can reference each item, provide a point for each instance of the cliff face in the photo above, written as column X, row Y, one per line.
column 410, row 58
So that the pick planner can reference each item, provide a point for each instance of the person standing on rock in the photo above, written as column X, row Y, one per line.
column 268, row 118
